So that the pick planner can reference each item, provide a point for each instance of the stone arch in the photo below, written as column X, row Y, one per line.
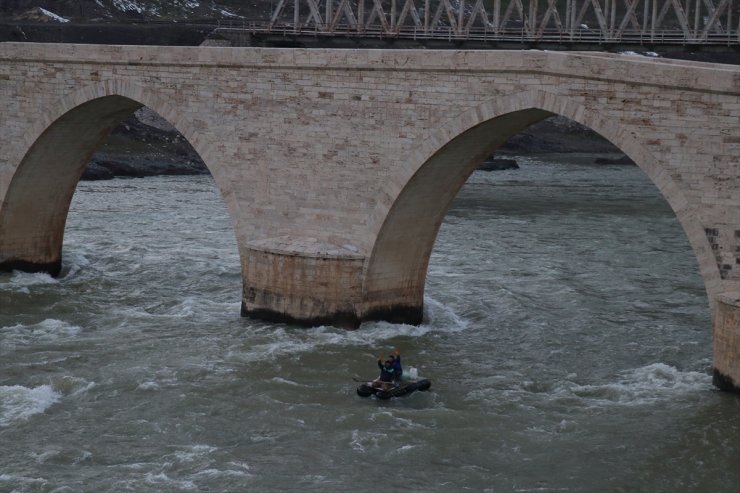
column 413, row 204
column 53, row 156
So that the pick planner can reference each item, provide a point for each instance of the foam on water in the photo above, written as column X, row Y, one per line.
column 49, row 330
column 148, row 385
column 184, row 309
column 68, row 385
column 640, row 386
column 217, row 473
column 437, row 315
column 405, row 448
column 22, row 482
column 286, row 342
column 18, row 403
column 193, row 452
column 288, row 382
column 188, row 467
column 162, row 479
column 74, row 263
column 654, row 383
column 21, row 281
column 191, row 308
column 44, row 456
column 282, row 343
column 391, row 421
column 362, row 440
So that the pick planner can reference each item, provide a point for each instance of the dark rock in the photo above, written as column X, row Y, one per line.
column 624, row 159
column 498, row 164
column 144, row 145
column 141, row 167
column 95, row 171
column 557, row 134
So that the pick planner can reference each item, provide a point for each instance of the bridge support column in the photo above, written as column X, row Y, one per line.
column 302, row 281
column 726, row 371
column 44, row 262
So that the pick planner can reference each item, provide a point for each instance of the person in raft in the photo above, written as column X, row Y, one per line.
column 387, row 373
column 395, row 357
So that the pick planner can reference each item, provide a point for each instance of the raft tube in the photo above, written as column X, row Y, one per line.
column 366, row 390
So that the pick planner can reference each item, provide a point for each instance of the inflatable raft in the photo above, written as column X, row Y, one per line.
column 407, row 387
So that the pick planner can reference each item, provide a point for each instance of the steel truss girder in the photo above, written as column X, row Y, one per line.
column 675, row 21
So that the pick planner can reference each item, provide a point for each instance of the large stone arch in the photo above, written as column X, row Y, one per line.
column 53, row 156
column 413, row 204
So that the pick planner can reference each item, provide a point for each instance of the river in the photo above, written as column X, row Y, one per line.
column 567, row 335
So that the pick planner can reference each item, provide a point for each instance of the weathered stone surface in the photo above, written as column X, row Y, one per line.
column 339, row 165
column 147, row 145
column 727, row 342
column 328, row 277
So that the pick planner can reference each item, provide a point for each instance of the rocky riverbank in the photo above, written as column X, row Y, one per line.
column 144, row 145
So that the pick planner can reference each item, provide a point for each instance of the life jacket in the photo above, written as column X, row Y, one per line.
column 386, row 374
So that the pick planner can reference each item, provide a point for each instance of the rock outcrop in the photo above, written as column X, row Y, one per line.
column 498, row 164
column 144, row 145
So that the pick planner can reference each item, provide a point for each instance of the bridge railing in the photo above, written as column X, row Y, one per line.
column 506, row 35
column 694, row 22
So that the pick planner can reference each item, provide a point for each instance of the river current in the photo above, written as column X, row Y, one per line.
column 567, row 335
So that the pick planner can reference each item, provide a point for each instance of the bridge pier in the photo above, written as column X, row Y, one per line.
column 302, row 281
column 726, row 371
column 306, row 282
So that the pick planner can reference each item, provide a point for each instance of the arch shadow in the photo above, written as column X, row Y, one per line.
column 411, row 209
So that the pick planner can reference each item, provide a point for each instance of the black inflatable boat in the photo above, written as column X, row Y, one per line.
column 366, row 390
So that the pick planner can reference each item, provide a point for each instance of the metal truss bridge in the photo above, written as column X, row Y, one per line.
column 600, row 22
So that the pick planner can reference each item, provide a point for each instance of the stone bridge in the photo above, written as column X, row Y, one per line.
column 338, row 166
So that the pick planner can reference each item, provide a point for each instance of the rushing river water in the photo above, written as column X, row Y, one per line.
column 567, row 335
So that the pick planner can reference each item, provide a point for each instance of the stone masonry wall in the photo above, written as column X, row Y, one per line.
column 318, row 145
